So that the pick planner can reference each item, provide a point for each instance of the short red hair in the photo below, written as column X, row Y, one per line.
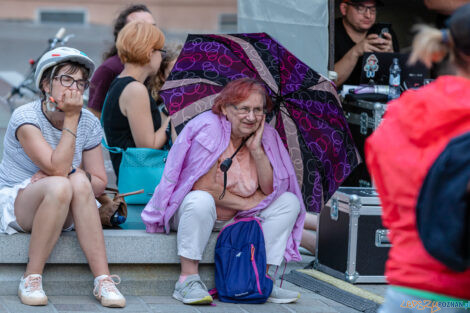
column 136, row 41
column 238, row 91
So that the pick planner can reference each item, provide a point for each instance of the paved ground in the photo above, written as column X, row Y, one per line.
column 308, row 303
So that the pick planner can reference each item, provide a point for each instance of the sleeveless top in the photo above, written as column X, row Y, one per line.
column 116, row 125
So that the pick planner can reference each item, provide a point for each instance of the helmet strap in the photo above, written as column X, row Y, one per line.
column 51, row 106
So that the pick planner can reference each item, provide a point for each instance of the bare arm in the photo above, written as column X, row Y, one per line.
column 230, row 201
column 263, row 166
column 92, row 162
column 52, row 162
column 135, row 105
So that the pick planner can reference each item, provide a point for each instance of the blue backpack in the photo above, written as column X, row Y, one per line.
column 240, row 263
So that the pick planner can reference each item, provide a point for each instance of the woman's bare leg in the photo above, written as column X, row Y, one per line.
column 309, row 235
column 309, row 240
column 42, row 208
column 88, row 224
column 188, row 266
column 311, row 221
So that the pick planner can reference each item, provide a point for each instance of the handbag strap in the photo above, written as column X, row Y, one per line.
column 103, row 140
column 114, row 190
column 130, row 193
column 118, row 149
column 111, row 149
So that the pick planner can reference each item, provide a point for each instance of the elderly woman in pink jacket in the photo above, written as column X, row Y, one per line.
column 193, row 199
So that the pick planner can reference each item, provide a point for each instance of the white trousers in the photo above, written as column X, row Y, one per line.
column 196, row 218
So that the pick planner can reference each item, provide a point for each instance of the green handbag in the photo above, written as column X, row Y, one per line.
column 140, row 168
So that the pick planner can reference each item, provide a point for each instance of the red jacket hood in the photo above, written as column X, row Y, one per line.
column 429, row 112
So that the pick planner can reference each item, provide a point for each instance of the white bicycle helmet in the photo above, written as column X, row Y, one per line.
column 59, row 55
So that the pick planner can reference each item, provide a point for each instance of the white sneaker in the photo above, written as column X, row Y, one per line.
column 107, row 293
column 30, row 290
column 279, row 295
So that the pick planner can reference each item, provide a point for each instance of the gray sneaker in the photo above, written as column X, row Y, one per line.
column 192, row 291
column 279, row 295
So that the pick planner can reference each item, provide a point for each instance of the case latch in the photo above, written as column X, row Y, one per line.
column 334, row 209
column 381, row 238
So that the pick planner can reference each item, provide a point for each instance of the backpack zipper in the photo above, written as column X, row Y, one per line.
column 253, row 263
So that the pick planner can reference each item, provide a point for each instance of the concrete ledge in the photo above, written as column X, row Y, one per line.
column 147, row 263
column 77, row 280
column 122, row 247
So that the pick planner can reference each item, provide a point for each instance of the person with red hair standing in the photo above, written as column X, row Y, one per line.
column 194, row 198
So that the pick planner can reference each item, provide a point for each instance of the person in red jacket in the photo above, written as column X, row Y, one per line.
column 420, row 163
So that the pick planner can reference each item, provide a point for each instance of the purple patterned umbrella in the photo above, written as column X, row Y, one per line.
column 307, row 113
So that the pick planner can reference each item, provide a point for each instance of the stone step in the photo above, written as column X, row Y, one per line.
column 147, row 263
column 77, row 280
column 122, row 247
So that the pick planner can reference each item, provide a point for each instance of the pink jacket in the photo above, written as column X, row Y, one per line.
column 196, row 149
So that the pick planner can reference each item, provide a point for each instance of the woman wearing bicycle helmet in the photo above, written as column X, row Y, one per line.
column 51, row 171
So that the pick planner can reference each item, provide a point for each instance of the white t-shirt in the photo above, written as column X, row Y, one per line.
column 16, row 166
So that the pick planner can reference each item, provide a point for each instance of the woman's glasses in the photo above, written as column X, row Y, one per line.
column 244, row 111
column 68, row 81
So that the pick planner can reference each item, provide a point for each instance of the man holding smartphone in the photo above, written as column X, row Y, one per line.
column 356, row 33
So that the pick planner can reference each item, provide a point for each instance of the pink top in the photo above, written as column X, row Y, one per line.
column 242, row 178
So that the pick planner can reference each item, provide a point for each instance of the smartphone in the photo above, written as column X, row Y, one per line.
column 380, row 29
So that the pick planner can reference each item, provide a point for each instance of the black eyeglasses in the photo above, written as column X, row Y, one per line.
column 68, row 81
column 161, row 50
column 362, row 9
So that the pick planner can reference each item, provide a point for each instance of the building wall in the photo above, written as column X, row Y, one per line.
column 175, row 15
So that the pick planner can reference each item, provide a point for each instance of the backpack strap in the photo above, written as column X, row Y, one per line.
column 213, row 292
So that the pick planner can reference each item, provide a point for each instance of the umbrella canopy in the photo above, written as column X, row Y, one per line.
column 307, row 112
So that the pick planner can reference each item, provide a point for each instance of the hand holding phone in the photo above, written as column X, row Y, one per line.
column 384, row 41
column 380, row 29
